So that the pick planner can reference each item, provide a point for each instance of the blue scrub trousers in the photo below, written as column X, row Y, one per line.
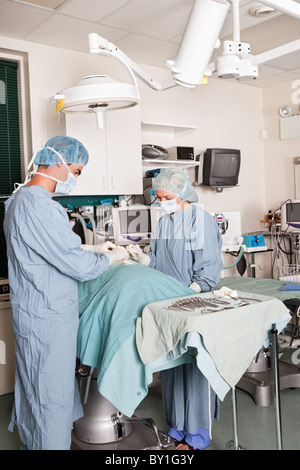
column 190, row 404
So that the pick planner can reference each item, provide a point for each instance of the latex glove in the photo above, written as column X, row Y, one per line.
column 105, row 247
column 195, row 287
column 100, row 248
column 117, row 254
column 138, row 254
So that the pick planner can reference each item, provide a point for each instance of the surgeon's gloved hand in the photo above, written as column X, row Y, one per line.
column 105, row 247
column 138, row 255
column 195, row 287
column 100, row 248
column 117, row 254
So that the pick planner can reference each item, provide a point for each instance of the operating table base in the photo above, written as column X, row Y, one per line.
column 260, row 385
column 104, row 427
column 141, row 438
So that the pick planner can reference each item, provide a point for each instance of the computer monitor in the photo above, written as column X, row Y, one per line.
column 131, row 224
column 290, row 216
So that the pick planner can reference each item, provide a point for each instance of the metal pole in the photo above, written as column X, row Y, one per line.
column 234, row 420
column 276, row 387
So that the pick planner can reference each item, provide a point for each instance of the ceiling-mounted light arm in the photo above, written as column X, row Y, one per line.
column 236, row 20
column 199, row 40
column 100, row 45
column 290, row 7
column 280, row 51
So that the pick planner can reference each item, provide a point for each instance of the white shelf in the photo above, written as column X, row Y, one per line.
column 172, row 163
column 166, row 128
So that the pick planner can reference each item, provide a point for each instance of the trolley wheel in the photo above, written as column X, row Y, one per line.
column 231, row 446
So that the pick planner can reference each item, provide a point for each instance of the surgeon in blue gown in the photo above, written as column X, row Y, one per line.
column 45, row 261
column 186, row 244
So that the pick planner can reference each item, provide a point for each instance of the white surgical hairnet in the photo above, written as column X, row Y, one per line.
column 71, row 150
column 175, row 181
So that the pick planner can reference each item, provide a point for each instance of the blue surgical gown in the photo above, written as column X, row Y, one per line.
column 45, row 261
column 187, row 246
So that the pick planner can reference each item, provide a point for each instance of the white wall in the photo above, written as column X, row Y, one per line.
column 279, row 154
column 226, row 114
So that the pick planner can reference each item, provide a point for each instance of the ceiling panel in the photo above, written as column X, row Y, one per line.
column 287, row 62
column 89, row 9
column 156, row 18
column 142, row 47
column 71, row 33
column 273, row 33
column 148, row 31
column 52, row 4
column 16, row 19
column 246, row 20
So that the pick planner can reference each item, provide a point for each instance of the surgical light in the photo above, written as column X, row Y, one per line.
column 99, row 93
column 248, row 71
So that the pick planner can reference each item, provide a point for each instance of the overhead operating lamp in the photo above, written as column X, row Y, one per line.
column 100, row 93
column 236, row 61
column 97, row 94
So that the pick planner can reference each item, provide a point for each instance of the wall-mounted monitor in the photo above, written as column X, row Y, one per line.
column 221, row 167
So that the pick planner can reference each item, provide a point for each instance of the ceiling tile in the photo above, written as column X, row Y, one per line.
column 156, row 18
column 52, row 4
column 71, row 33
column 17, row 19
column 286, row 62
column 264, row 71
column 245, row 19
column 91, row 9
column 148, row 31
column 271, row 34
column 140, row 48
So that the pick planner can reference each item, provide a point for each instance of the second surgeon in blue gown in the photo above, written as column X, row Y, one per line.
column 186, row 244
column 45, row 261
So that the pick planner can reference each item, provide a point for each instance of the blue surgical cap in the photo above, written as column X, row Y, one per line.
column 71, row 150
column 175, row 181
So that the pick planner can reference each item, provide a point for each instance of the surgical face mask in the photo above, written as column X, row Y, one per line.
column 62, row 187
column 170, row 206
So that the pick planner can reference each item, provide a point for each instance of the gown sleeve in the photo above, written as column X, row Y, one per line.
column 208, row 262
column 47, row 231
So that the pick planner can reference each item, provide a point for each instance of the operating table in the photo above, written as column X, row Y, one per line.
column 123, row 350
